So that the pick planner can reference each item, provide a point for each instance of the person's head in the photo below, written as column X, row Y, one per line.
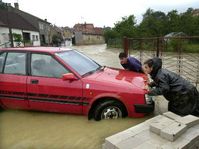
column 151, row 66
column 147, row 67
column 123, row 58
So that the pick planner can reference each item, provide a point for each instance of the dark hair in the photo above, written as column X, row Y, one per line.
column 149, row 62
column 122, row 55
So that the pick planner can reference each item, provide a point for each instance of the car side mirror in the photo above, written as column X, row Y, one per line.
column 69, row 76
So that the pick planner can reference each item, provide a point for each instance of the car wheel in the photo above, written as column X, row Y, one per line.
column 109, row 110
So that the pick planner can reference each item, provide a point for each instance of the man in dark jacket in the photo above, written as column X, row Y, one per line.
column 130, row 63
column 183, row 97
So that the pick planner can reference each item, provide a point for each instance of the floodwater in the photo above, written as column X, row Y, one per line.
column 40, row 130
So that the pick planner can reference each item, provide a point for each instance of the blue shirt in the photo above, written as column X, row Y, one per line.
column 133, row 64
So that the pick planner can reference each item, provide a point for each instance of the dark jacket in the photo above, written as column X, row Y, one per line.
column 133, row 64
column 183, row 97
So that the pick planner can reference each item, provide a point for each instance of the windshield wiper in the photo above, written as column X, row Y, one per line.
column 92, row 71
column 88, row 73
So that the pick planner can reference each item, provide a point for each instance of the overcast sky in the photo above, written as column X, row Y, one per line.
column 99, row 12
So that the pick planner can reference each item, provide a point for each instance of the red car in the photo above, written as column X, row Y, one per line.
column 66, row 81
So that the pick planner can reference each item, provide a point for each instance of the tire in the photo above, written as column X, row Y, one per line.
column 109, row 110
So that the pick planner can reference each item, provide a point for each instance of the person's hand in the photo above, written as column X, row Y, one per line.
column 146, row 87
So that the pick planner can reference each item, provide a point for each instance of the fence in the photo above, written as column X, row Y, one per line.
column 179, row 54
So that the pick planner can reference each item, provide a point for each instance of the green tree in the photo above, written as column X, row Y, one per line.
column 110, row 34
column 189, row 23
column 126, row 27
column 153, row 23
column 173, row 24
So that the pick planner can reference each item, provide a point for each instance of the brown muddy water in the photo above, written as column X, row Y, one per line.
column 40, row 130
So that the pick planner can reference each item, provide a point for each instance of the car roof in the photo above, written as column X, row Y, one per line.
column 37, row 49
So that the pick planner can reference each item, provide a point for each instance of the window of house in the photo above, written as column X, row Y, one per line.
column 33, row 37
column 15, row 63
column 46, row 66
column 36, row 37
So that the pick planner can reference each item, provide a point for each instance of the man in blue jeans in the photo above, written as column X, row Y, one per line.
column 130, row 63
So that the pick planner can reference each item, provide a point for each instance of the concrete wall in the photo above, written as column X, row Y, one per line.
column 4, row 35
column 17, row 31
column 34, row 37
column 93, row 39
column 87, row 39
column 167, row 131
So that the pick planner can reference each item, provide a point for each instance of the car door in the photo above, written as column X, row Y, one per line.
column 13, row 77
column 47, row 91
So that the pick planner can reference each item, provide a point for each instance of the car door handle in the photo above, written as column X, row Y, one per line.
column 34, row 81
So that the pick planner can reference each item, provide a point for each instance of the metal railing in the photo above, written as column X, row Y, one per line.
column 179, row 54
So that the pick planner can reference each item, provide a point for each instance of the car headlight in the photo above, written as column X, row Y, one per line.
column 148, row 99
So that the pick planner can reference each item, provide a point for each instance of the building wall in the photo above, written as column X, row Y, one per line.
column 44, row 29
column 78, row 38
column 93, row 39
column 4, row 35
column 42, row 26
column 34, row 37
column 17, row 31
column 87, row 39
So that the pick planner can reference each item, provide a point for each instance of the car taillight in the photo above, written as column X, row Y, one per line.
column 148, row 99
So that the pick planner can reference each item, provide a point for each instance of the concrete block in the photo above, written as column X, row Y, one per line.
column 171, row 115
column 159, row 124
column 188, row 120
column 119, row 137
column 130, row 143
column 192, row 134
column 181, row 143
column 154, row 119
column 139, row 128
column 173, row 131
column 148, row 145
column 108, row 145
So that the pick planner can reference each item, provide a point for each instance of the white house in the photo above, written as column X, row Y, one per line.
column 11, row 23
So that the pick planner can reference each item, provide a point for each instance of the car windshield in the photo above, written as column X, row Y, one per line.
column 79, row 62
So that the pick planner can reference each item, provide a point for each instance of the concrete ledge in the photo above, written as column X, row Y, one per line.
column 180, row 133
column 173, row 131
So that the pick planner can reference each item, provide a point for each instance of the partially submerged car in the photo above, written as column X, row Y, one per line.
column 66, row 81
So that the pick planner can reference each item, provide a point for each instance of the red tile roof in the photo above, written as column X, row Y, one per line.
column 88, row 29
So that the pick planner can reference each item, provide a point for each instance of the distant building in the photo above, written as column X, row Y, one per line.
column 21, row 31
column 196, row 12
column 85, row 34
column 67, row 36
column 41, row 26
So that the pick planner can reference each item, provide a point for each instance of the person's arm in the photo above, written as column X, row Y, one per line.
column 124, row 66
column 152, row 84
column 162, row 86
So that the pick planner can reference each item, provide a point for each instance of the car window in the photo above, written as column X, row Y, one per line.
column 15, row 63
column 2, row 58
column 81, row 63
column 46, row 66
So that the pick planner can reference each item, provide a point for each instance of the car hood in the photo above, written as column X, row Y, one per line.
column 119, row 78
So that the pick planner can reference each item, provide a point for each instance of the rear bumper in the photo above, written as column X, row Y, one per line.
column 144, row 108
